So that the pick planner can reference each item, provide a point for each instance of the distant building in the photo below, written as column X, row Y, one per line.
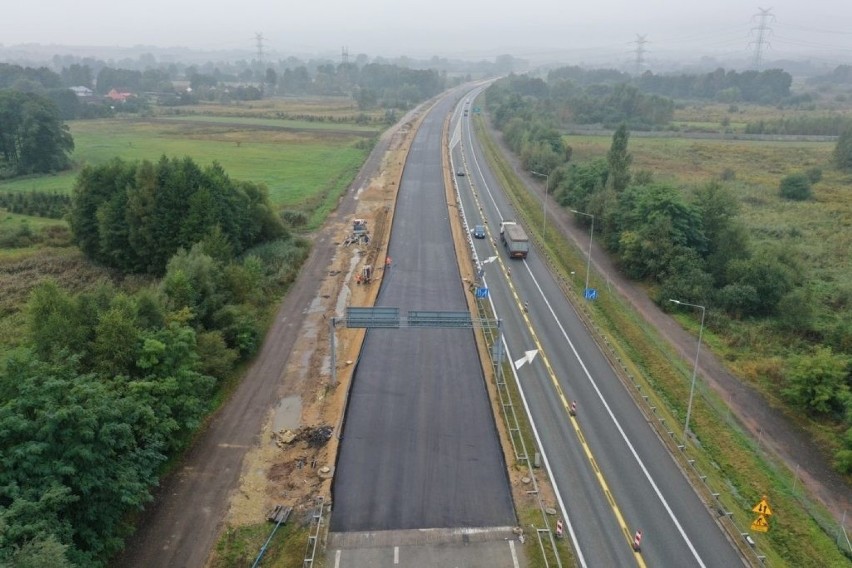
column 83, row 92
column 119, row 96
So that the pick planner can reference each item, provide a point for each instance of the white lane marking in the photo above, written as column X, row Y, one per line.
column 580, row 558
column 594, row 385
column 514, row 554
column 337, row 559
column 616, row 422
column 396, row 555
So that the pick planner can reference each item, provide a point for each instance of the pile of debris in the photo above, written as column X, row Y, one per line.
column 359, row 233
column 313, row 436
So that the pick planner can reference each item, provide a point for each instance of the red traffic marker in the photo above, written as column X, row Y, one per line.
column 559, row 528
column 574, row 408
column 637, row 541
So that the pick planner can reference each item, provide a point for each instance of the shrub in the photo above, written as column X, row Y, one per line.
column 796, row 187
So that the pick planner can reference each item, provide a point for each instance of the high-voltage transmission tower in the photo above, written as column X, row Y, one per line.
column 258, row 38
column 764, row 18
column 344, row 55
column 640, row 53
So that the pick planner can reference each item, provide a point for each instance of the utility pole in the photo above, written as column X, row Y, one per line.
column 765, row 17
column 640, row 53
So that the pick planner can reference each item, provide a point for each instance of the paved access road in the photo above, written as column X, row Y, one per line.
column 612, row 473
column 420, row 446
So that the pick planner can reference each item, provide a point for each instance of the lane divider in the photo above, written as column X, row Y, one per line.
column 628, row 537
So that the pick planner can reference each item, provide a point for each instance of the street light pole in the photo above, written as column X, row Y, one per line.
column 543, row 200
column 695, row 366
column 591, row 237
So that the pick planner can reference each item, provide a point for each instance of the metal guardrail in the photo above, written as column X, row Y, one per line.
column 313, row 538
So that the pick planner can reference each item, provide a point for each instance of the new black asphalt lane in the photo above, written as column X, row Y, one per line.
column 420, row 446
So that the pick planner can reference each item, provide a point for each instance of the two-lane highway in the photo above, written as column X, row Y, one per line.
column 612, row 473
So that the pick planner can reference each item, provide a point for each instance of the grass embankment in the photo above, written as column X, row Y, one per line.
column 240, row 546
column 734, row 465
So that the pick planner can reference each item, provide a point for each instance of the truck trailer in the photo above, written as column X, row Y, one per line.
column 514, row 239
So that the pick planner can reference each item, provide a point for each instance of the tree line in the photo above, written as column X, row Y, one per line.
column 36, row 203
column 771, row 86
column 561, row 102
column 111, row 383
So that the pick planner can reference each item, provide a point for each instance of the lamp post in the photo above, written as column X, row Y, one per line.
column 543, row 199
column 695, row 366
column 591, row 236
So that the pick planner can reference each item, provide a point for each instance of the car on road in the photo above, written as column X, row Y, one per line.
column 460, row 173
column 479, row 232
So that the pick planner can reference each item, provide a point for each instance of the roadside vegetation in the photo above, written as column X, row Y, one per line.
column 136, row 286
column 712, row 222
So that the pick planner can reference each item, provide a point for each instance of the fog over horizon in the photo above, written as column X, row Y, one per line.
column 594, row 33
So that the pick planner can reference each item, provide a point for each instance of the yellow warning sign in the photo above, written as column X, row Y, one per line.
column 762, row 508
column 760, row 524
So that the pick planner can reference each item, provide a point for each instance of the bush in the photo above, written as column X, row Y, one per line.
column 796, row 187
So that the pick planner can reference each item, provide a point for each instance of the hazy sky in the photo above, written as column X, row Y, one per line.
column 432, row 27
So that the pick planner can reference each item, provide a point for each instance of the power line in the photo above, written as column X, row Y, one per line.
column 763, row 32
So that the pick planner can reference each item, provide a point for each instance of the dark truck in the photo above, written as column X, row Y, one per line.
column 514, row 239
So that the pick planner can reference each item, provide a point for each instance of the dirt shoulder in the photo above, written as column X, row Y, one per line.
column 292, row 465
column 777, row 433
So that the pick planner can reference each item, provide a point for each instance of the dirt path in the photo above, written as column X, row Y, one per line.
column 782, row 438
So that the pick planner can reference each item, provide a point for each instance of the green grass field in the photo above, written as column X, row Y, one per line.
column 301, row 168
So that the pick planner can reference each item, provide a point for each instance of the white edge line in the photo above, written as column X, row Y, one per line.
column 617, row 424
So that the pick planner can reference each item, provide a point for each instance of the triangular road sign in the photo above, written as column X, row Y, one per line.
column 762, row 508
column 760, row 524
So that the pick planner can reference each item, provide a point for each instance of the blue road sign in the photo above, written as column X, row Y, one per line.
column 482, row 292
column 590, row 293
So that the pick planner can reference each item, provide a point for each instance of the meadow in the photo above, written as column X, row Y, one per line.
column 754, row 169
column 304, row 164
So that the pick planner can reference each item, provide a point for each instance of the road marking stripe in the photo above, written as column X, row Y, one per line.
column 573, row 419
column 337, row 559
column 514, row 554
column 620, row 431
column 396, row 555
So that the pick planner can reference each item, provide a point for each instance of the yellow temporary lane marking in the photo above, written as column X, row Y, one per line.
column 558, row 388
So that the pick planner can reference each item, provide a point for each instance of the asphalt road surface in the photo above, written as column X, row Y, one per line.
column 612, row 474
column 420, row 446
